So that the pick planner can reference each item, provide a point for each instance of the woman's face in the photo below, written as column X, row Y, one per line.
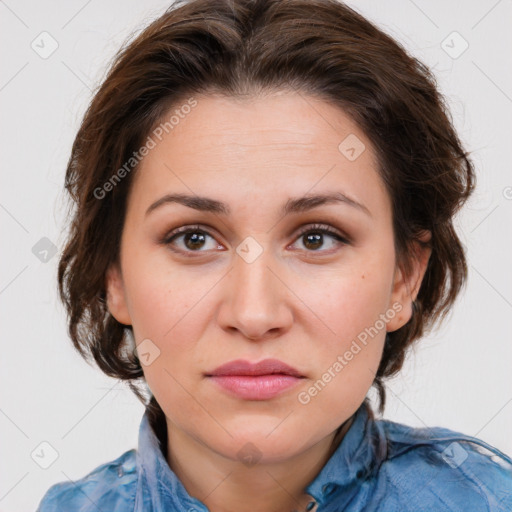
column 258, row 277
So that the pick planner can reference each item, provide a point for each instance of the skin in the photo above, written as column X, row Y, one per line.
column 298, row 302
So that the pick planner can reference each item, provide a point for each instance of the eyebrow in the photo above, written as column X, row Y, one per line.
column 293, row 205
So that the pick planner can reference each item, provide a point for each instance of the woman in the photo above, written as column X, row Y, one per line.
column 265, row 193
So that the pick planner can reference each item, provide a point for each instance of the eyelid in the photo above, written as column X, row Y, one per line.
column 325, row 228
column 168, row 236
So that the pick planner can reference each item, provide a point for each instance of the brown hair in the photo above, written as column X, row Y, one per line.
column 241, row 48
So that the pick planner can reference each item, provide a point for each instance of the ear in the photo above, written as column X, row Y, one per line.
column 406, row 287
column 116, row 297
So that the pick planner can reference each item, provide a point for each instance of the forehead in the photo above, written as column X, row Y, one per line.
column 284, row 143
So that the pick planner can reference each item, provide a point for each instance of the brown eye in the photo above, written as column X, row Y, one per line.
column 314, row 237
column 193, row 239
column 313, row 241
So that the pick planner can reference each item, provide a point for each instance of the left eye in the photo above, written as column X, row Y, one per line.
column 313, row 236
column 194, row 238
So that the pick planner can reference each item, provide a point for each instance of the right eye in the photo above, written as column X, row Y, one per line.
column 193, row 239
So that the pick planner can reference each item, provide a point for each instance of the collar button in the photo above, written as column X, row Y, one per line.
column 328, row 489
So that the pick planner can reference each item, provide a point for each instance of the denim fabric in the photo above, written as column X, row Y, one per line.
column 380, row 466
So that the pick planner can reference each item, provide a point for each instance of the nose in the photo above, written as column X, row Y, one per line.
column 257, row 300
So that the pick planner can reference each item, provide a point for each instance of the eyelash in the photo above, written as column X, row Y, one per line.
column 313, row 228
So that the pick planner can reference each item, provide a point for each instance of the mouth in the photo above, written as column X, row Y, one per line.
column 243, row 367
column 255, row 381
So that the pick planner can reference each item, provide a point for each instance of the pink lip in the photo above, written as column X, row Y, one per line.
column 255, row 381
column 265, row 367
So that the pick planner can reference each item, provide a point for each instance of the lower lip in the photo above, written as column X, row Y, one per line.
column 257, row 387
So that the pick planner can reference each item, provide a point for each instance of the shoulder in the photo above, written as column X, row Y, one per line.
column 110, row 486
column 441, row 468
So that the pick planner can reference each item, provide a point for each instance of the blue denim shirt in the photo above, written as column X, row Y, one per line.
column 379, row 466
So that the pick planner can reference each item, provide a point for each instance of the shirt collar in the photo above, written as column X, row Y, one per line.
column 159, row 488
column 359, row 454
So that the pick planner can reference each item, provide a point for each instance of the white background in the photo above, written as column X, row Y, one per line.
column 458, row 377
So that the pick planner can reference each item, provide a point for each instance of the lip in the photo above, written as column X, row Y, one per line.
column 255, row 381
column 264, row 367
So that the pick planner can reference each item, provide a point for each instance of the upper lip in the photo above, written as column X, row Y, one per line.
column 265, row 367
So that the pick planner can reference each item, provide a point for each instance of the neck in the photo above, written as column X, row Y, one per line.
column 227, row 485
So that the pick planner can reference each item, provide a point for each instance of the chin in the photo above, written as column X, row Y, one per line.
column 264, row 442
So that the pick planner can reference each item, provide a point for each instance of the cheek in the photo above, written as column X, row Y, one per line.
column 159, row 296
column 355, row 303
column 171, row 306
column 166, row 310
column 356, row 310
